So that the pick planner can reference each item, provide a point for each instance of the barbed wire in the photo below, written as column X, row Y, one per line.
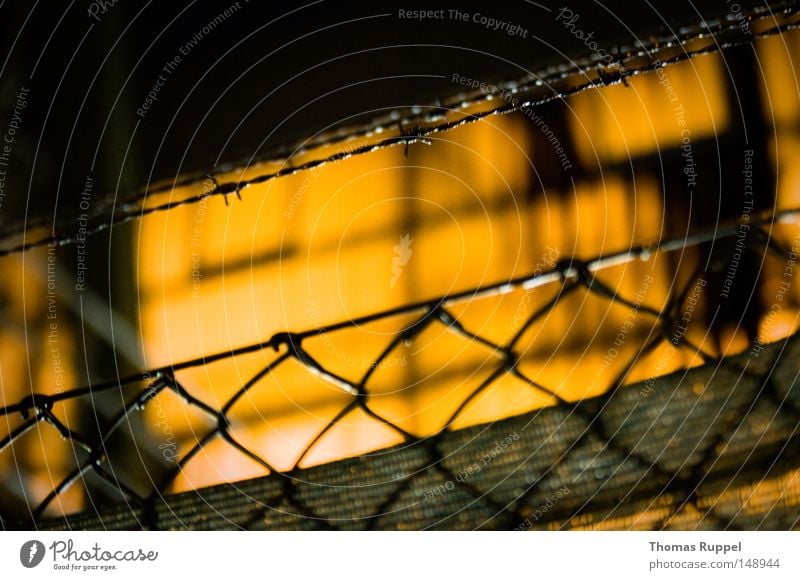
column 580, row 66
column 531, row 91
column 572, row 274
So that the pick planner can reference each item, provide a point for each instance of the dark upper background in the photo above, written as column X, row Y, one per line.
column 88, row 78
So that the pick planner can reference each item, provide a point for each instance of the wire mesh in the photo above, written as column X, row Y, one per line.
column 567, row 465
column 554, row 469
column 586, row 428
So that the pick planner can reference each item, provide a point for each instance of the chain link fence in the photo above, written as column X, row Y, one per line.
column 712, row 446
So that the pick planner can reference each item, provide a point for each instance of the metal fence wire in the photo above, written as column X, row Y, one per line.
column 697, row 449
column 714, row 446
column 415, row 125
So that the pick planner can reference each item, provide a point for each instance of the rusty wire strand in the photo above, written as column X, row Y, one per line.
column 411, row 132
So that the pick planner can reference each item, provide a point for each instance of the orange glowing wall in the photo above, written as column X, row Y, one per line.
column 318, row 247
column 37, row 354
column 382, row 230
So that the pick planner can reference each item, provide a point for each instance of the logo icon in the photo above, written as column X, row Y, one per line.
column 31, row 553
column 402, row 254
